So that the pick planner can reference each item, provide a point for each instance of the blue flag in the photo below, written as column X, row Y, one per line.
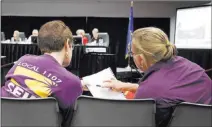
column 129, row 32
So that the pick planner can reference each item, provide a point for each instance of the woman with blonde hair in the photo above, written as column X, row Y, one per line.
column 16, row 36
column 168, row 78
column 81, row 32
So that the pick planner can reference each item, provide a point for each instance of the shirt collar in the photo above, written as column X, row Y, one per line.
column 52, row 58
column 156, row 67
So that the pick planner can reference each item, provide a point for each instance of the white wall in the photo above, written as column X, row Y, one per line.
column 100, row 8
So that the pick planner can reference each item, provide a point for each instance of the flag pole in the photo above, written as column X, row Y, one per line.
column 129, row 53
column 129, row 47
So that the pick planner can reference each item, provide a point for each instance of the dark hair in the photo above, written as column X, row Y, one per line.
column 52, row 36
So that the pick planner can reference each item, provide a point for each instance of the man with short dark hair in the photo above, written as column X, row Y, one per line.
column 45, row 76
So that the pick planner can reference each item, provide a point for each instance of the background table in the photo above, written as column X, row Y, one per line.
column 129, row 74
column 95, row 62
column 15, row 51
column 82, row 63
column 3, row 60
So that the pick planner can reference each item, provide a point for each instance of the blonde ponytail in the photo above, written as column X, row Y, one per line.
column 154, row 44
column 171, row 51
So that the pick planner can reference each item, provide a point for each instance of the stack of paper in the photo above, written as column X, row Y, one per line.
column 95, row 82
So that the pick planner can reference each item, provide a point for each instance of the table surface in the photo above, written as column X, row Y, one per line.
column 125, row 69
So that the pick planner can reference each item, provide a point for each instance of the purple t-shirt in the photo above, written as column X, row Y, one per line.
column 41, row 77
column 175, row 81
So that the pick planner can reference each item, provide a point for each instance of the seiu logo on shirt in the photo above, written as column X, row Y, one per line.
column 18, row 91
column 39, row 83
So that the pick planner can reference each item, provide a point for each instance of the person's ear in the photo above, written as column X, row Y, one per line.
column 66, row 45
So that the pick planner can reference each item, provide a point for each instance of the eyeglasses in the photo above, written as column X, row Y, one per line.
column 72, row 46
column 132, row 54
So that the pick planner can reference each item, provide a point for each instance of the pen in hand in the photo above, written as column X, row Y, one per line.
column 103, row 87
column 98, row 86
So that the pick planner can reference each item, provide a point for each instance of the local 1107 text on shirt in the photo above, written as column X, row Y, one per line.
column 41, row 77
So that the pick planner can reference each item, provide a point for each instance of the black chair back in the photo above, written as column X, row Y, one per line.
column 191, row 115
column 104, row 112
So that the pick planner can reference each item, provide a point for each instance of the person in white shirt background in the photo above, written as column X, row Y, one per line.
column 16, row 37
column 95, row 33
column 34, row 33
column 96, row 39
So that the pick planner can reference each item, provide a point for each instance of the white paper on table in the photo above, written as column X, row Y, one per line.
column 98, row 79
column 105, row 93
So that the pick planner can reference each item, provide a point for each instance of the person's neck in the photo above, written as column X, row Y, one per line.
column 57, row 57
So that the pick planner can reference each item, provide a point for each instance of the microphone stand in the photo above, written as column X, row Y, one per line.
column 129, row 63
column 129, row 53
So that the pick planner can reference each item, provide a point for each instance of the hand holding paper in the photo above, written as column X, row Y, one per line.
column 95, row 84
column 115, row 85
column 84, row 86
column 120, row 86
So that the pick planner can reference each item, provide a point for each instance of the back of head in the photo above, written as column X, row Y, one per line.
column 154, row 44
column 53, row 35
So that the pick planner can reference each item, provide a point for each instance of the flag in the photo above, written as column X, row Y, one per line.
column 130, row 31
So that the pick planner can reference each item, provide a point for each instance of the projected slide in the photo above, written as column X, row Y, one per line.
column 193, row 28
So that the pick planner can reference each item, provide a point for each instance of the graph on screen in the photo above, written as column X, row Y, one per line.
column 193, row 28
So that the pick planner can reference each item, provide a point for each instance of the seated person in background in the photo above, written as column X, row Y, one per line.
column 16, row 37
column 78, row 32
column 84, row 38
column 81, row 32
column 34, row 33
column 45, row 76
column 168, row 78
column 96, row 39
